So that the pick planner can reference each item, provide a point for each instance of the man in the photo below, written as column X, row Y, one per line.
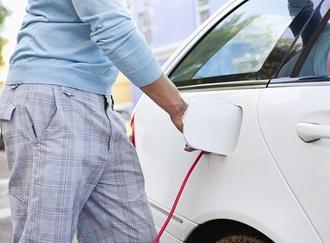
column 72, row 167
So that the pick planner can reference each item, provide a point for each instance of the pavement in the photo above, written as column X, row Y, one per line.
column 6, row 230
column 4, row 174
column 5, row 218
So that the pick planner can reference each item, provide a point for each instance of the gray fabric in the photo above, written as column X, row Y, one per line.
column 72, row 168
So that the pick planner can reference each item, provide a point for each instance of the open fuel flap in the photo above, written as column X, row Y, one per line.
column 212, row 126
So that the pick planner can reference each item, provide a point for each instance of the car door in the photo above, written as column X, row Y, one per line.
column 231, row 59
column 294, row 115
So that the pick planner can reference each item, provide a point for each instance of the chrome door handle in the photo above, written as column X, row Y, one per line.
column 310, row 132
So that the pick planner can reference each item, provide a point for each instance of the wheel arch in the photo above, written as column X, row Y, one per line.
column 212, row 231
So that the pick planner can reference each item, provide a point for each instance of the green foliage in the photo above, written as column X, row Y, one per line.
column 3, row 14
column 210, row 45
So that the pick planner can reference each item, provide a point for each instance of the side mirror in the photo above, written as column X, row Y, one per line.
column 212, row 126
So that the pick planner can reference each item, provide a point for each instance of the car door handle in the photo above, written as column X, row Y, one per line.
column 310, row 132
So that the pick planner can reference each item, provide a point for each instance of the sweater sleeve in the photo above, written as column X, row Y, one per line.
column 116, row 34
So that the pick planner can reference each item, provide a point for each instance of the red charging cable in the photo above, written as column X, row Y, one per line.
column 178, row 197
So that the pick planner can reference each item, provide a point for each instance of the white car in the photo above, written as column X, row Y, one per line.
column 256, row 76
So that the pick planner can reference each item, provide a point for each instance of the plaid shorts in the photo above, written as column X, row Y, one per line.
column 72, row 168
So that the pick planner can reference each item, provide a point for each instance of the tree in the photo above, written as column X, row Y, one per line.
column 3, row 14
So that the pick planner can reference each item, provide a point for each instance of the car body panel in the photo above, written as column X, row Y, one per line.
column 305, row 166
column 227, row 180
column 272, row 180
column 179, row 226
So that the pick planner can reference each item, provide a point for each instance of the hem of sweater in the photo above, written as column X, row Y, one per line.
column 62, row 76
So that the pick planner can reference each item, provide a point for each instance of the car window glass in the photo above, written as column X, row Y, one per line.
column 239, row 45
column 317, row 60
column 310, row 17
column 329, row 63
column 245, row 52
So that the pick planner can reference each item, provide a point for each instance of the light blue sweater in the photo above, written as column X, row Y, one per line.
column 80, row 44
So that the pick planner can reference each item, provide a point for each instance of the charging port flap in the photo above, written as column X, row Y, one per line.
column 212, row 126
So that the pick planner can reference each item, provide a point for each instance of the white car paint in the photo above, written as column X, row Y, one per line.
column 272, row 181
column 246, row 185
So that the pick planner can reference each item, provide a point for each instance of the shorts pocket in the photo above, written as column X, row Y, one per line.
column 6, row 110
column 18, row 205
column 38, row 111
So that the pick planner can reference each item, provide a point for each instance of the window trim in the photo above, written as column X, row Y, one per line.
column 310, row 44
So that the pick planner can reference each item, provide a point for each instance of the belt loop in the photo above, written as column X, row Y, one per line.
column 13, row 86
column 110, row 101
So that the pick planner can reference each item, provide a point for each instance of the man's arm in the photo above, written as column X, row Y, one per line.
column 164, row 93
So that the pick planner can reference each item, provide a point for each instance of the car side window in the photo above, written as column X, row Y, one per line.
column 329, row 63
column 237, row 47
column 317, row 60
column 311, row 58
